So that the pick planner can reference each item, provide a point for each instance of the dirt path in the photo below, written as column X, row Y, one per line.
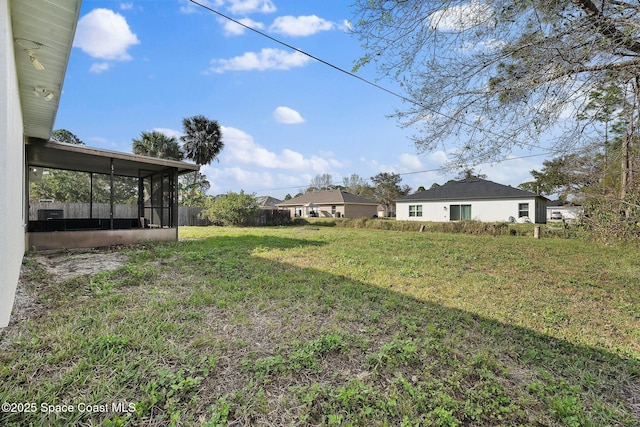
column 42, row 269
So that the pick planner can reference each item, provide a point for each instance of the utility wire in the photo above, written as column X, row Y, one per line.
column 375, row 85
column 355, row 76
column 440, row 169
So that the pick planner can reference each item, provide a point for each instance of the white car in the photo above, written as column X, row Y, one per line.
column 556, row 215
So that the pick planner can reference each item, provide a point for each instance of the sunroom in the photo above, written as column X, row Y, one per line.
column 150, row 214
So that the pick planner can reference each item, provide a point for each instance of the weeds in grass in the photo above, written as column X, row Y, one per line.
column 336, row 326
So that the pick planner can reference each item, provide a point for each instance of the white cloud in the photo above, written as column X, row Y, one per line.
column 240, row 148
column 410, row 162
column 169, row 132
column 236, row 7
column 514, row 171
column 99, row 67
column 439, row 157
column 105, row 34
column 233, row 29
column 488, row 45
column 126, row 6
column 287, row 116
column 237, row 178
column 250, row 6
column 300, row 26
column 461, row 17
column 266, row 59
column 187, row 7
column 234, row 178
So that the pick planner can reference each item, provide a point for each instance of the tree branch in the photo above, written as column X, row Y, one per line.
column 606, row 28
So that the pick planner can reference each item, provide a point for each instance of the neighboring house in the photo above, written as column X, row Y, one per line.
column 558, row 210
column 35, row 44
column 268, row 202
column 473, row 199
column 330, row 204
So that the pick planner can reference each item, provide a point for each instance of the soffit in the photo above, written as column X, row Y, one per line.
column 47, row 28
column 59, row 155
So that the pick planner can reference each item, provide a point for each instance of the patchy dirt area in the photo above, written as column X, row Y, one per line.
column 41, row 269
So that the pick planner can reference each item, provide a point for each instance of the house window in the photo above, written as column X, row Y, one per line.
column 415, row 210
column 523, row 210
column 333, row 210
column 459, row 212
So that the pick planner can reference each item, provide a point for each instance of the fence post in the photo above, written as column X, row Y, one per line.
column 536, row 232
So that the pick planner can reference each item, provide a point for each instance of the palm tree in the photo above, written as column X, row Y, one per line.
column 157, row 144
column 202, row 139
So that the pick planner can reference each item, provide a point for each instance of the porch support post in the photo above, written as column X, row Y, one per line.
column 174, row 198
column 90, row 195
column 140, row 198
column 112, row 196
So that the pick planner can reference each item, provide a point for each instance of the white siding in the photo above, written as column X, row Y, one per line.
column 12, row 170
column 496, row 210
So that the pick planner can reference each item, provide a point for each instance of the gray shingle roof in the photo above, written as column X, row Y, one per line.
column 265, row 201
column 327, row 197
column 470, row 188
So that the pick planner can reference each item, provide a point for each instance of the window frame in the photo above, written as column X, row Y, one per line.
column 415, row 211
column 461, row 211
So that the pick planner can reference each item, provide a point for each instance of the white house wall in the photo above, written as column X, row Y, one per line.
column 490, row 210
column 12, row 170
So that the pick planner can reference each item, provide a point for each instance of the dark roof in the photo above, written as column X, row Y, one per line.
column 75, row 157
column 327, row 197
column 470, row 188
column 265, row 201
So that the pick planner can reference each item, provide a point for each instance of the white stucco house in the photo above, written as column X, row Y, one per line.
column 473, row 199
column 36, row 37
column 35, row 43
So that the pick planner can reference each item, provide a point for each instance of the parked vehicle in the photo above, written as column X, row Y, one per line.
column 556, row 215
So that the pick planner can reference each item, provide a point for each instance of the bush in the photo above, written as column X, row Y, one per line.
column 231, row 209
column 611, row 220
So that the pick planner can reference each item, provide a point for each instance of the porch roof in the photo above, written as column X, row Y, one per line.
column 59, row 155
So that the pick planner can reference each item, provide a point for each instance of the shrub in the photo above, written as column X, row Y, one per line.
column 231, row 208
column 466, row 227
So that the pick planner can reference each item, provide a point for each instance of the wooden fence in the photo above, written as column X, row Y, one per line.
column 187, row 215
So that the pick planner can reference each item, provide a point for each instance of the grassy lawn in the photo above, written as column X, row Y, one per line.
column 333, row 326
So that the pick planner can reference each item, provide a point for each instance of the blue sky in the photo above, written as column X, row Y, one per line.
column 144, row 65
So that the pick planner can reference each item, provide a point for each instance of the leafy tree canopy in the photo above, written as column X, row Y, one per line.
column 387, row 188
column 63, row 135
column 357, row 185
column 193, row 190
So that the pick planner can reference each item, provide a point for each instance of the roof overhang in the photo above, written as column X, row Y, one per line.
column 43, row 32
column 59, row 155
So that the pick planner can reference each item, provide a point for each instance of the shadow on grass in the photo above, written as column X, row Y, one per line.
column 209, row 332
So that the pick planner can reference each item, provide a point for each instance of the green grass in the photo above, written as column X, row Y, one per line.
column 335, row 326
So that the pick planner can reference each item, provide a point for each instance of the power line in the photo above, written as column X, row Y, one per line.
column 477, row 164
column 379, row 87
column 440, row 169
column 350, row 74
